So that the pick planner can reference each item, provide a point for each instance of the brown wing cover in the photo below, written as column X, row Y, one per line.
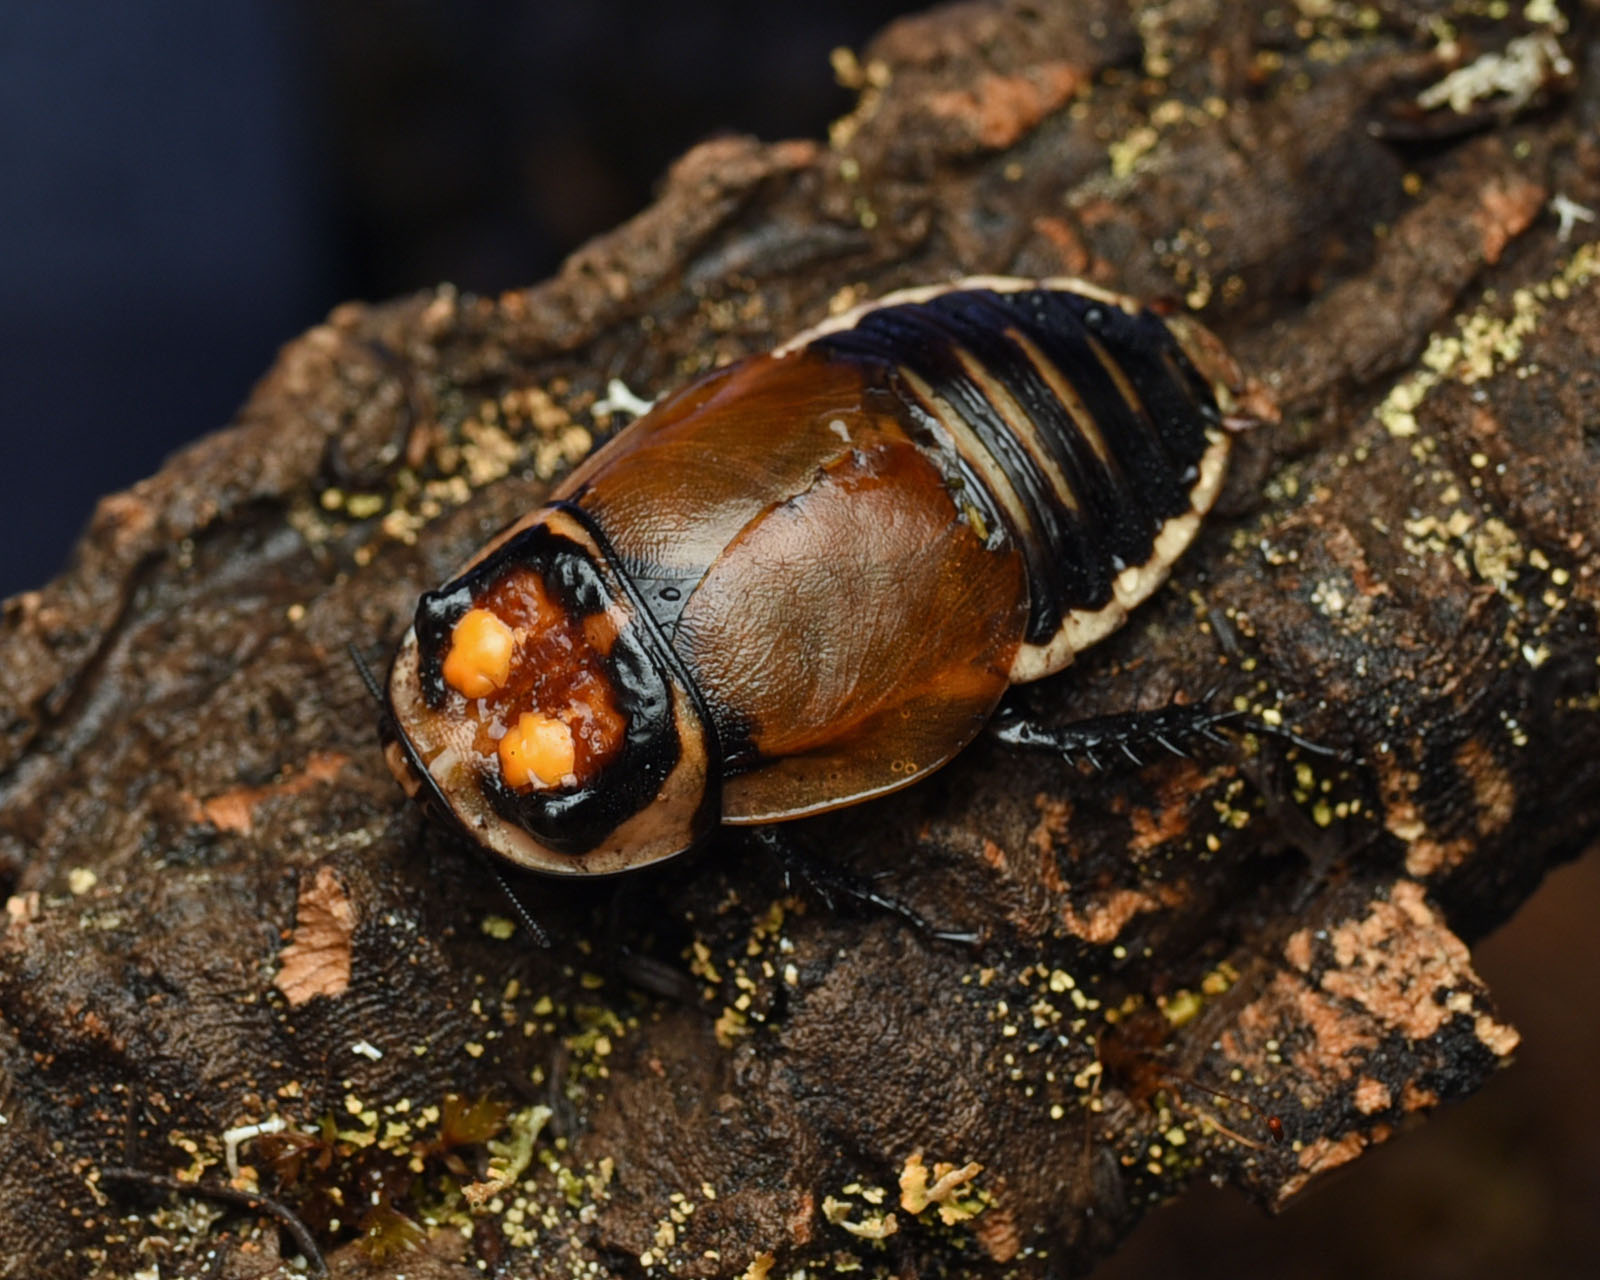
column 676, row 487
column 848, row 627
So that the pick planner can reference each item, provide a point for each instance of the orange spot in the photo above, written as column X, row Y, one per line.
column 536, row 747
column 479, row 661
column 522, row 650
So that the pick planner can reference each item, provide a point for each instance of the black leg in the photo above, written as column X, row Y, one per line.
column 1134, row 735
column 374, row 689
column 491, row 865
column 636, row 968
column 832, row 885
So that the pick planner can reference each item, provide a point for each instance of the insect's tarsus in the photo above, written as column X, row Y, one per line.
column 829, row 883
column 367, row 678
column 1172, row 728
column 534, row 928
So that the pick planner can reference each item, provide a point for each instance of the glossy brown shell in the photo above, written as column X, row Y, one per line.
column 848, row 627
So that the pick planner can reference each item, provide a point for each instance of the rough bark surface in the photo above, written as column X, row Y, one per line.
column 223, row 911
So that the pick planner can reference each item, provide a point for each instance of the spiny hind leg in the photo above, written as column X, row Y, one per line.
column 833, row 886
column 1134, row 737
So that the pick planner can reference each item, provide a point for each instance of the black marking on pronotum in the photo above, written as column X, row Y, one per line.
column 653, row 644
column 571, row 820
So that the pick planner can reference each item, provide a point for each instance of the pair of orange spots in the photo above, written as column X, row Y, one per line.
column 538, row 749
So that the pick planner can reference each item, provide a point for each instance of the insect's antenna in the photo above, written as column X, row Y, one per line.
column 534, row 928
column 367, row 678
column 1273, row 1122
column 250, row 1200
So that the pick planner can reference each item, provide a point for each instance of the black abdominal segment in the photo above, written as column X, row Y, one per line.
column 1093, row 415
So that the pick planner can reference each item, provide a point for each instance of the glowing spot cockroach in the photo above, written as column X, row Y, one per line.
column 806, row 579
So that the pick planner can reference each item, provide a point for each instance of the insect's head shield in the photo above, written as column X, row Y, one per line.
column 536, row 700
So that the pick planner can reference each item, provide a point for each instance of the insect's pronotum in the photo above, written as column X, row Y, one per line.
column 807, row 578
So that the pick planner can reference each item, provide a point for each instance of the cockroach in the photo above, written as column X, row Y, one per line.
column 806, row 579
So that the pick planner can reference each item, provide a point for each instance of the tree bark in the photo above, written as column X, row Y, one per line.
column 224, row 911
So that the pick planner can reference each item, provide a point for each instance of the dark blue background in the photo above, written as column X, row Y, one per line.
column 186, row 184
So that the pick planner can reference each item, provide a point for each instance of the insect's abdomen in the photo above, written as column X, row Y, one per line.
column 1083, row 424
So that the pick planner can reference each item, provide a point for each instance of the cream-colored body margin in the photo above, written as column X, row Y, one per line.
column 661, row 829
column 1080, row 628
column 922, row 293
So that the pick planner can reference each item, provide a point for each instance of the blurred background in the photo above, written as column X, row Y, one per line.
column 187, row 185
column 1504, row 1184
